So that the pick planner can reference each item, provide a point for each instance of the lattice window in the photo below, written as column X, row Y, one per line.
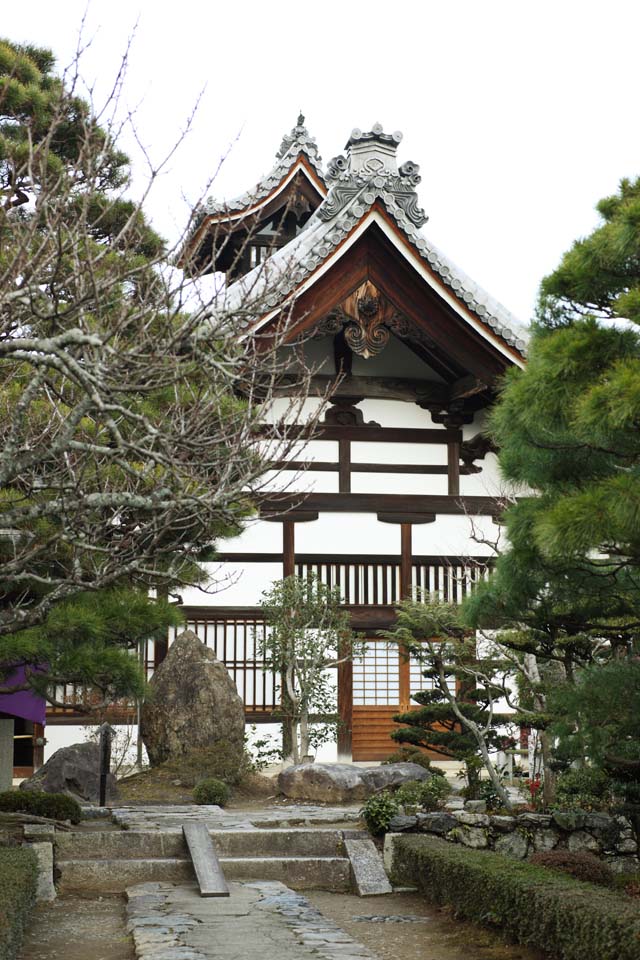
column 376, row 675
column 359, row 583
column 234, row 641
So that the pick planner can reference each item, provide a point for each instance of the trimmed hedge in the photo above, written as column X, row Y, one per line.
column 56, row 806
column 18, row 882
column 534, row 906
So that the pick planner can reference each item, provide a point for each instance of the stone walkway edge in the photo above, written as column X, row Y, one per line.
column 261, row 920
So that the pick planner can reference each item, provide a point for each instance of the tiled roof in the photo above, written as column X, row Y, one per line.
column 293, row 144
column 369, row 173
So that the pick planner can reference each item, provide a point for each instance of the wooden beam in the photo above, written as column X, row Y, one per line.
column 406, row 518
column 368, row 434
column 327, row 466
column 466, row 387
column 353, row 558
column 277, row 506
column 373, row 388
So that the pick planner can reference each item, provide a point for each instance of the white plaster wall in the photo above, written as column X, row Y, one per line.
column 242, row 584
column 397, row 413
column 398, row 483
column 451, row 535
column 338, row 533
column 423, row 454
column 258, row 536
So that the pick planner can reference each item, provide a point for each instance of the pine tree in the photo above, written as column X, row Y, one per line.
column 457, row 716
column 567, row 589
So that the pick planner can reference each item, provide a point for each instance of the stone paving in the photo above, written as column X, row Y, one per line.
column 171, row 817
column 259, row 921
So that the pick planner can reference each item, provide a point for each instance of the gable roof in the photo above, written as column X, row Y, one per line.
column 296, row 148
column 367, row 187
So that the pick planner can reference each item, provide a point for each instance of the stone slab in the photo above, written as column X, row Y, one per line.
column 367, row 868
column 205, row 861
column 45, row 891
column 259, row 921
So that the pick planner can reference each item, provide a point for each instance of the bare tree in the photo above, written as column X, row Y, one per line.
column 135, row 428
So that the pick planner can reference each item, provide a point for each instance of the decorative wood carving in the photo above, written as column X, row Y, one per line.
column 476, row 449
column 343, row 412
column 368, row 320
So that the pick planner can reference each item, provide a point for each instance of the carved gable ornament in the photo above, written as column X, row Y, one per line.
column 368, row 319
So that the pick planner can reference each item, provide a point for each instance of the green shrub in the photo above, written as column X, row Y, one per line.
column 585, row 789
column 409, row 755
column 378, row 811
column 211, row 790
column 554, row 913
column 409, row 794
column 18, row 881
column 56, row 806
column 582, row 865
column 434, row 794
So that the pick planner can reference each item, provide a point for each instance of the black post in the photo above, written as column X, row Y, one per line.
column 106, row 733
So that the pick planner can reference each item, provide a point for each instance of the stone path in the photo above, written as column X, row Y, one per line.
column 171, row 817
column 259, row 921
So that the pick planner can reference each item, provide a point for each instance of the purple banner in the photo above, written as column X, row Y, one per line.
column 25, row 703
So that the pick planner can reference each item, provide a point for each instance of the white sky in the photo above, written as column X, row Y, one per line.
column 520, row 114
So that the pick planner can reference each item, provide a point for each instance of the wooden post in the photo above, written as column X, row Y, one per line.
column 404, row 681
column 106, row 733
column 345, row 709
column 38, row 746
column 288, row 570
column 453, row 464
column 288, row 548
column 344, row 467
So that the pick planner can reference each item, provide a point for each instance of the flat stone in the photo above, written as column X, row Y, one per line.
column 569, row 819
column 503, row 824
column 367, row 867
column 472, row 819
column 627, row 846
column 513, row 845
column 44, row 853
column 581, row 840
column 476, row 806
column 475, row 837
column 544, row 840
column 439, row 823
column 401, row 823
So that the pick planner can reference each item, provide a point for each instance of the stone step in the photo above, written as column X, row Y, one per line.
column 114, row 876
column 128, row 845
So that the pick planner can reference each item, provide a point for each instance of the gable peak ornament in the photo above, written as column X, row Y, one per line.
column 370, row 169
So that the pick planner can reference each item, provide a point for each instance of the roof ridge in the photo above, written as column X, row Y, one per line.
column 298, row 141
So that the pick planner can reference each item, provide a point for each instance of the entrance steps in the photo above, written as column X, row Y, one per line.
column 111, row 861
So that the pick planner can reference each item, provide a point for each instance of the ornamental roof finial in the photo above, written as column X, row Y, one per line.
column 298, row 139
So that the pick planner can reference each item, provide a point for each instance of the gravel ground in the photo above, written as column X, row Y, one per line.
column 72, row 928
column 419, row 931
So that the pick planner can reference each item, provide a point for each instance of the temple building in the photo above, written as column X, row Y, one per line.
column 398, row 489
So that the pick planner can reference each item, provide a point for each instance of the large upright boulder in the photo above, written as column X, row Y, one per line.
column 192, row 704
column 73, row 770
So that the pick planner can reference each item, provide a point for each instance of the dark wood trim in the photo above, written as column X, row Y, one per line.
column 405, row 561
column 406, row 518
column 277, row 506
column 344, row 480
column 453, row 463
column 288, row 548
column 324, row 466
column 363, row 617
column 354, row 558
column 331, row 431
column 345, row 708
column 404, row 677
column 295, row 516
